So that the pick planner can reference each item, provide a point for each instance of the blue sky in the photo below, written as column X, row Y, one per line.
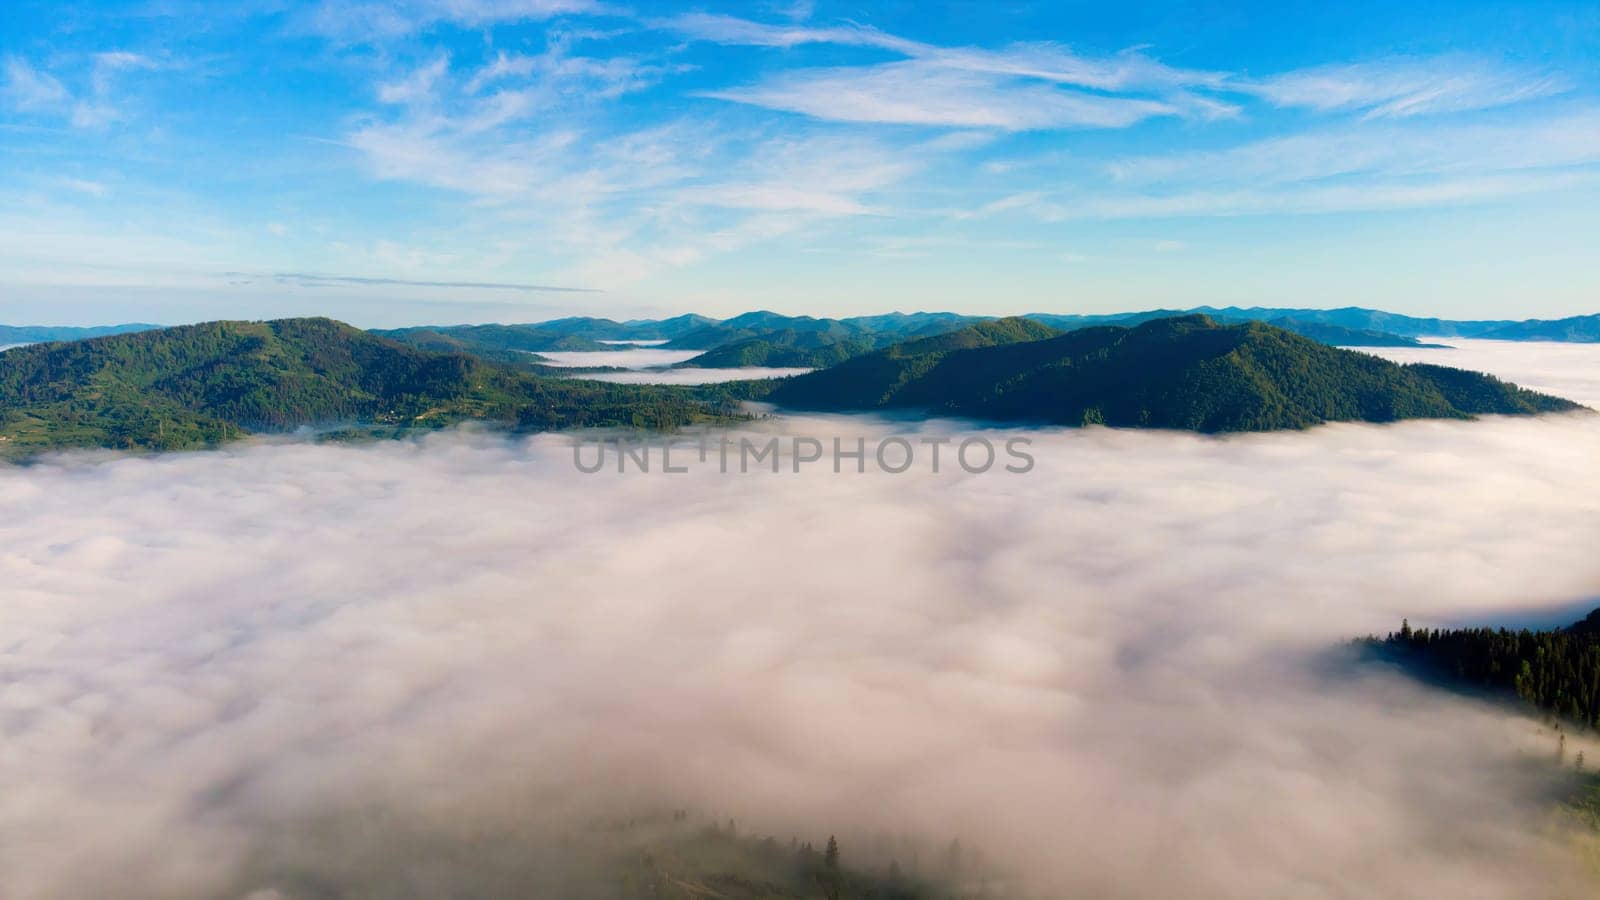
column 512, row 160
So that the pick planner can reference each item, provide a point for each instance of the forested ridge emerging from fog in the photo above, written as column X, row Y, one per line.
column 1557, row 670
column 199, row 385
column 1184, row 372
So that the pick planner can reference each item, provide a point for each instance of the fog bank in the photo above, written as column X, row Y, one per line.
column 695, row 375
column 404, row 665
column 1566, row 370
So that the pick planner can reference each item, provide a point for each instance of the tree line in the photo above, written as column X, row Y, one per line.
column 1556, row 670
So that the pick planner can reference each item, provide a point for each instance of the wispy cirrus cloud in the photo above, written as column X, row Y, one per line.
column 416, row 86
column 721, row 29
column 28, row 89
column 1014, row 88
column 918, row 92
column 308, row 279
column 1367, row 196
column 525, row 137
column 361, row 21
column 85, row 186
column 1386, row 149
column 1364, row 166
column 828, row 175
column 1398, row 89
column 1383, row 89
column 557, row 69
column 1043, row 60
column 1129, row 70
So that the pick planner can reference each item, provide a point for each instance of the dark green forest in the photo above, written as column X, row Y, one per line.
column 200, row 385
column 1185, row 372
column 786, row 349
column 1556, row 671
column 717, row 861
column 485, row 340
column 665, row 855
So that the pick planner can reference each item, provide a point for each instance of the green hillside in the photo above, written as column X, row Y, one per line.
column 200, row 385
column 829, row 343
column 786, row 349
column 1555, row 670
column 490, row 339
column 1186, row 372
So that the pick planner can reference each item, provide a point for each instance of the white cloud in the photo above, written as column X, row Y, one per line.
column 1364, row 196
column 526, row 138
column 798, row 10
column 1389, row 149
column 114, row 60
column 84, row 186
column 594, row 78
column 362, row 21
column 1396, row 89
column 1003, row 88
column 921, row 93
column 773, row 197
column 1360, row 167
column 1040, row 60
column 1008, row 203
column 416, row 87
column 30, row 90
column 1052, row 62
column 441, row 157
column 465, row 649
column 724, row 29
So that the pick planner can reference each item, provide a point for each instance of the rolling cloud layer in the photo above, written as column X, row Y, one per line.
column 402, row 669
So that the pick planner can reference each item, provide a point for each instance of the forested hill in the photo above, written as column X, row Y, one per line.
column 487, row 340
column 198, row 385
column 1557, row 670
column 1186, row 372
column 784, row 349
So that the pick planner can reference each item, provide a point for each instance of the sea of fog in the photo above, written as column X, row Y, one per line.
column 647, row 365
column 636, row 358
column 1567, row 370
column 405, row 668
column 694, row 375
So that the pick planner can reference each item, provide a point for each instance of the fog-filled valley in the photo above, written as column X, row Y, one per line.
column 799, row 450
column 417, row 668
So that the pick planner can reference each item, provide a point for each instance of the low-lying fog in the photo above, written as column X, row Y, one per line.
column 1120, row 674
column 635, row 358
column 694, row 375
column 648, row 365
column 1567, row 370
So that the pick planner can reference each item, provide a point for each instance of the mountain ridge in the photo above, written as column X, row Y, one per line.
column 201, row 385
column 1186, row 372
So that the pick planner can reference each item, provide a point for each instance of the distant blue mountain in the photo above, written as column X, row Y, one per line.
column 38, row 334
column 1358, row 319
